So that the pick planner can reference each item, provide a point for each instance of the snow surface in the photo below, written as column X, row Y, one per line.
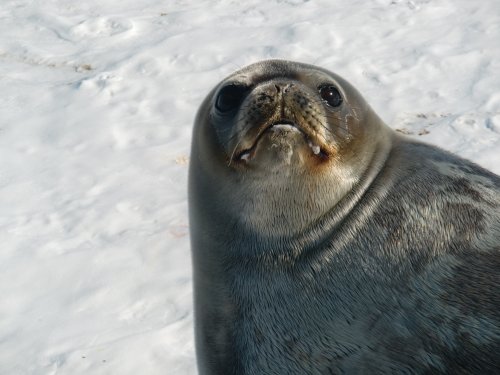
column 97, row 100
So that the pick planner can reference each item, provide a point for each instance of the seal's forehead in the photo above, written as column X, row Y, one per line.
column 274, row 69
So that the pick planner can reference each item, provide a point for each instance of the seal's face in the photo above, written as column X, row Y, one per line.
column 268, row 116
column 280, row 144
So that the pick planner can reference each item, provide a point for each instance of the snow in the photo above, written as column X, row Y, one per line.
column 96, row 110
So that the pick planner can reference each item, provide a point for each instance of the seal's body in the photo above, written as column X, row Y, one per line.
column 325, row 243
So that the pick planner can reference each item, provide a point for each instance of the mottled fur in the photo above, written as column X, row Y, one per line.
column 399, row 275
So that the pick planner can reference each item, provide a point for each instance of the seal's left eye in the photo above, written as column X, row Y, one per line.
column 331, row 95
column 230, row 97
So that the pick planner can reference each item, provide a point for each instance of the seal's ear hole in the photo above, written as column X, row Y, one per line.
column 331, row 95
column 230, row 97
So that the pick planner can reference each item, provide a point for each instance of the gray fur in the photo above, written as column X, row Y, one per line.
column 392, row 271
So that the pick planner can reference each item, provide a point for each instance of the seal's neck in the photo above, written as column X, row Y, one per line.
column 293, row 205
column 284, row 205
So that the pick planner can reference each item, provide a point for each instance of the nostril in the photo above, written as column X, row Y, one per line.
column 278, row 89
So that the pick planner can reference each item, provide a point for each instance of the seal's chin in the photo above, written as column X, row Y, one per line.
column 281, row 140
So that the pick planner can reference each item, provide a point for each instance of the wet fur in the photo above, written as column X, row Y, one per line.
column 403, row 280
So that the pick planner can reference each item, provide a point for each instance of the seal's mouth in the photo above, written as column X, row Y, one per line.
column 284, row 126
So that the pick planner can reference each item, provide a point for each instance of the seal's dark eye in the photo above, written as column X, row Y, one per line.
column 331, row 95
column 230, row 97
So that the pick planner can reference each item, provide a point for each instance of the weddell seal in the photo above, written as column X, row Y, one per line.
column 325, row 243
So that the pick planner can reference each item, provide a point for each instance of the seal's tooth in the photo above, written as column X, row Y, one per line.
column 287, row 127
column 245, row 156
column 315, row 148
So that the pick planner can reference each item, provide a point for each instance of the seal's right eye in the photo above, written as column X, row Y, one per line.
column 331, row 95
column 230, row 97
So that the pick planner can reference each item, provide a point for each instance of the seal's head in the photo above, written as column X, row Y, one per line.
column 284, row 142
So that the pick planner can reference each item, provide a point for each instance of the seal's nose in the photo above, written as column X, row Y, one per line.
column 283, row 87
column 288, row 87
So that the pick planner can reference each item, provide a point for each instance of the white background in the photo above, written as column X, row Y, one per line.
column 97, row 100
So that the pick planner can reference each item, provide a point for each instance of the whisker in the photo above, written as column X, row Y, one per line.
column 234, row 151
